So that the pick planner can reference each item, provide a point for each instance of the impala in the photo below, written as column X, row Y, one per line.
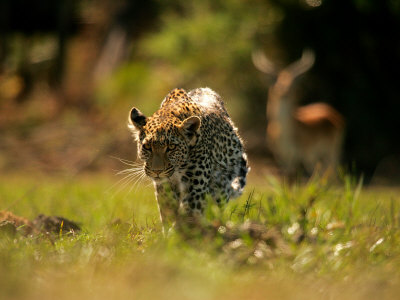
column 308, row 136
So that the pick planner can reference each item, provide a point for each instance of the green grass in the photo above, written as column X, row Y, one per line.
column 328, row 242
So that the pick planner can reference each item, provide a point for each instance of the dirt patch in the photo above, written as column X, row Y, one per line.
column 12, row 224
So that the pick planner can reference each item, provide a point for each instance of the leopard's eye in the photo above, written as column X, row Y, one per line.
column 147, row 146
column 171, row 147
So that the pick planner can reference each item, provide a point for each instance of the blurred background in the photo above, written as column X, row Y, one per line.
column 70, row 71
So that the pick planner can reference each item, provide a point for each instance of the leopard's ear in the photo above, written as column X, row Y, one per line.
column 190, row 126
column 136, row 119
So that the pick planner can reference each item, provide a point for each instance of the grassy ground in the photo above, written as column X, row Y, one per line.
column 312, row 241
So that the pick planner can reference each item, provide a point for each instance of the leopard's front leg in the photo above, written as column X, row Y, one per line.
column 168, row 205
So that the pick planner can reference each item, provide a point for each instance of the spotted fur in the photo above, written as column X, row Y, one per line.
column 190, row 148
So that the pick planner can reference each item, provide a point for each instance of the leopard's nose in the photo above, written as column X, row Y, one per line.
column 158, row 172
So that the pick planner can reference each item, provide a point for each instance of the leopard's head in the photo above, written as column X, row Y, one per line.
column 163, row 141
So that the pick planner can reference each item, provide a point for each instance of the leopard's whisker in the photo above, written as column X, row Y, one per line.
column 131, row 178
column 137, row 181
column 149, row 184
column 131, row 170
column 127, row 162
column 123, row 180
column 126, row 182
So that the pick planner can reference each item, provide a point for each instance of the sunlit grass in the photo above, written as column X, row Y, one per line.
column 326, row 242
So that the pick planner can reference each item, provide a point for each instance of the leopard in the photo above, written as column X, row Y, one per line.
column 192, row 151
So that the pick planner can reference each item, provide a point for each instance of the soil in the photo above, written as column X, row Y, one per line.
column 12, row 224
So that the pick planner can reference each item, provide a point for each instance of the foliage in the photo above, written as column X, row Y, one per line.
column 199, row 43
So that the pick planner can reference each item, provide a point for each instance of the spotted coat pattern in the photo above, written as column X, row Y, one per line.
column 190, row 149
